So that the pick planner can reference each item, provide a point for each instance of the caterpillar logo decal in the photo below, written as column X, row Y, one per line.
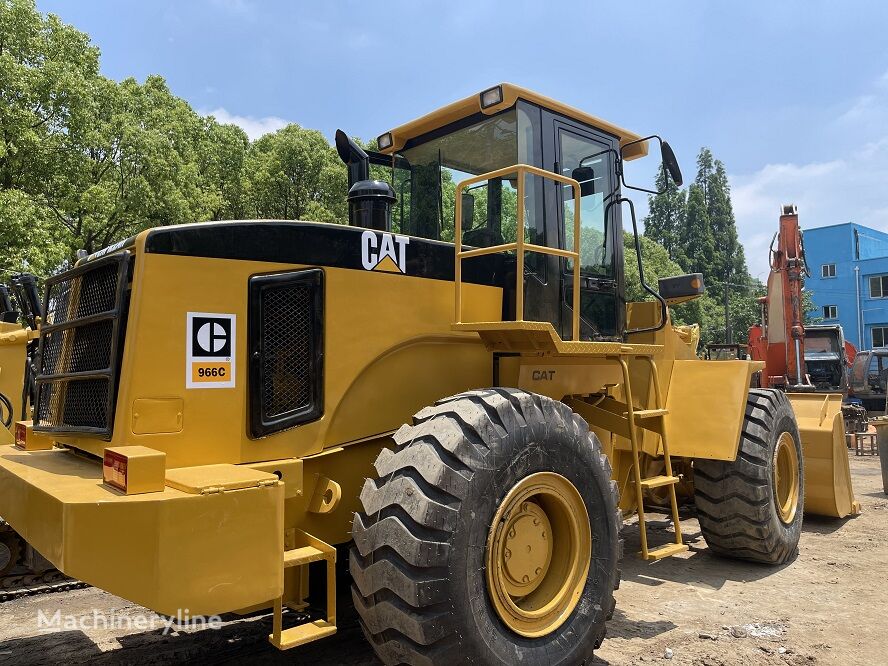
column 387, row 252
column 209, row 350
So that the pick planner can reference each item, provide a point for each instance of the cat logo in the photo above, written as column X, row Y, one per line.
column 384, row 253
column 209, row 350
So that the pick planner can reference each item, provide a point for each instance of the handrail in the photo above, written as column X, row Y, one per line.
column 519, row 245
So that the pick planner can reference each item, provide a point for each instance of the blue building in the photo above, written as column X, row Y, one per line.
column 849, row 280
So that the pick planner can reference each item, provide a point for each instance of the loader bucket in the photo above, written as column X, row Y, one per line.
column 827, row 474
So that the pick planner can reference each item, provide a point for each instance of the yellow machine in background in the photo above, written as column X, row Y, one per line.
column 221, row 405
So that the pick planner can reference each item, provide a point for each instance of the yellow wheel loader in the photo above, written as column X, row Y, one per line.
column 222, row 405
column 19, row 300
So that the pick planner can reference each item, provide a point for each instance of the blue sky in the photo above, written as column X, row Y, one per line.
column 791, row 96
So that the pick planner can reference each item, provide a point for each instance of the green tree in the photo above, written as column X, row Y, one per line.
column 45, row 70
column 296, row 174
column 696, row 242
column 656, row 264
column 667, row 213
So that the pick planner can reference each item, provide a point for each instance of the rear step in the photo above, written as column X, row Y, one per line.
column 314, row 550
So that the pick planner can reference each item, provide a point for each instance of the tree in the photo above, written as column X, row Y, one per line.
column 222, row 158
column 45, row 69
column 667, row 213
column 696, row 242
column 296, row 174
column 656, row 264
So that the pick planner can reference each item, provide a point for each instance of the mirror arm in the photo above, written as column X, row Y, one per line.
column 663, row 308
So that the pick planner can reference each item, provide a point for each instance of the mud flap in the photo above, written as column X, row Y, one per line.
column 828, row 489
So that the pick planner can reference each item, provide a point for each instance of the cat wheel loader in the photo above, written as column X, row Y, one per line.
column 452, row 387
column 18, row 300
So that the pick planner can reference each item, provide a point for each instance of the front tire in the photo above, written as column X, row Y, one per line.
column 477, row 475
column 751, row 508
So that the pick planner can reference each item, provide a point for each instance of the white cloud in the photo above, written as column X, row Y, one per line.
column 848, row 185
column 254, row 127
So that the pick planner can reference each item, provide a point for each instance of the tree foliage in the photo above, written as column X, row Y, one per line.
column 697, row 229
column 86, row 161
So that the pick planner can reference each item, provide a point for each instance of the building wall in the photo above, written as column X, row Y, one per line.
column 858, row 253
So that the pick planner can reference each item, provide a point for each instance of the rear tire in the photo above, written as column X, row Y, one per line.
column 419, row 557
column 745, row 511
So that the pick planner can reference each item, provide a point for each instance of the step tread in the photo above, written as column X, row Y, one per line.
column 303, row 555
column 641, row 414
column 666, row 551
column 658, row 481
column 303, row 633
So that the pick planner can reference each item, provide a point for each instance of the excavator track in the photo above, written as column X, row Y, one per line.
column 28, row 584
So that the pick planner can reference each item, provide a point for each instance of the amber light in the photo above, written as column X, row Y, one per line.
column 21, row 433
column 114, row 470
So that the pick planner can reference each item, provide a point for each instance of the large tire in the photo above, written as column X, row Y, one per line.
column 418, row 560
column 737, row 502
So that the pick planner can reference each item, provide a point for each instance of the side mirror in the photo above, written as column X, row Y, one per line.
column 468, row 211
column 637, row 148
column 585, row 176
column 670, row 163
column 681, row 288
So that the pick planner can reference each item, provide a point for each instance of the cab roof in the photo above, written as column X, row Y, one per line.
column 511, row 94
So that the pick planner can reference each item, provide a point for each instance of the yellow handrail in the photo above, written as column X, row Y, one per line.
column 519, row 246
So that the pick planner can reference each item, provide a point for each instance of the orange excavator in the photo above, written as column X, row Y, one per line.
column 778, row 342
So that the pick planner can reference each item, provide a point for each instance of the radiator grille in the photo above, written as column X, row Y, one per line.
column 79, row 343
column 286, row 346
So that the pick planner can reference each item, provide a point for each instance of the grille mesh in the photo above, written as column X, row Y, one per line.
column 286, row 349
column 80, row 404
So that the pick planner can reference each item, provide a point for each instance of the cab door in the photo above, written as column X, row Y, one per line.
column 586, row 155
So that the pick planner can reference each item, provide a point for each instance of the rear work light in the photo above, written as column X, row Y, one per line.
column 28, row 440
column 134, row 469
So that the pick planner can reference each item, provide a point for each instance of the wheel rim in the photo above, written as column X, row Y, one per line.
column 538, row 552
column 786, row 478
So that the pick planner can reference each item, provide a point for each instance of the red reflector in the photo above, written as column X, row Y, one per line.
column 21, row 433
column 114, row 470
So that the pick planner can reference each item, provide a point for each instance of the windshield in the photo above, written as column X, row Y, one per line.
column 427, row 173
column 819, row 343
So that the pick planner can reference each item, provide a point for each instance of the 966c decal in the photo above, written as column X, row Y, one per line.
column 210, row 345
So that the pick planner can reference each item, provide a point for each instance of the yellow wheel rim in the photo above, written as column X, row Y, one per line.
column 538, row 554
column 786, row 478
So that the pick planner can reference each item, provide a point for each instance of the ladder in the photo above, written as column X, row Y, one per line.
column 314, row 550
column 652, row 420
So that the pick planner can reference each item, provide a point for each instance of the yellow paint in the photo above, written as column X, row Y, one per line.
column 706, row 402
column 168, row 550
column 28, row 440
column 511, row 94
column 13, row 341
column 538, row 553
column 156, row 416
column 387, row 265
column 827, row 474
column 134, row 469
column 786, row 478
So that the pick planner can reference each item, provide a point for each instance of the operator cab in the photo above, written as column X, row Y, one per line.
column 500, row 128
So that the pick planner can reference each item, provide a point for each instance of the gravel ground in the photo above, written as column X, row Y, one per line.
column 827, row 607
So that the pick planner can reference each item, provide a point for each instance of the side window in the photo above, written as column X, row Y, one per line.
column 586, row 161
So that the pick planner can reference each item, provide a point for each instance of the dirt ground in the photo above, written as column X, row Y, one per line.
column 829, row 606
